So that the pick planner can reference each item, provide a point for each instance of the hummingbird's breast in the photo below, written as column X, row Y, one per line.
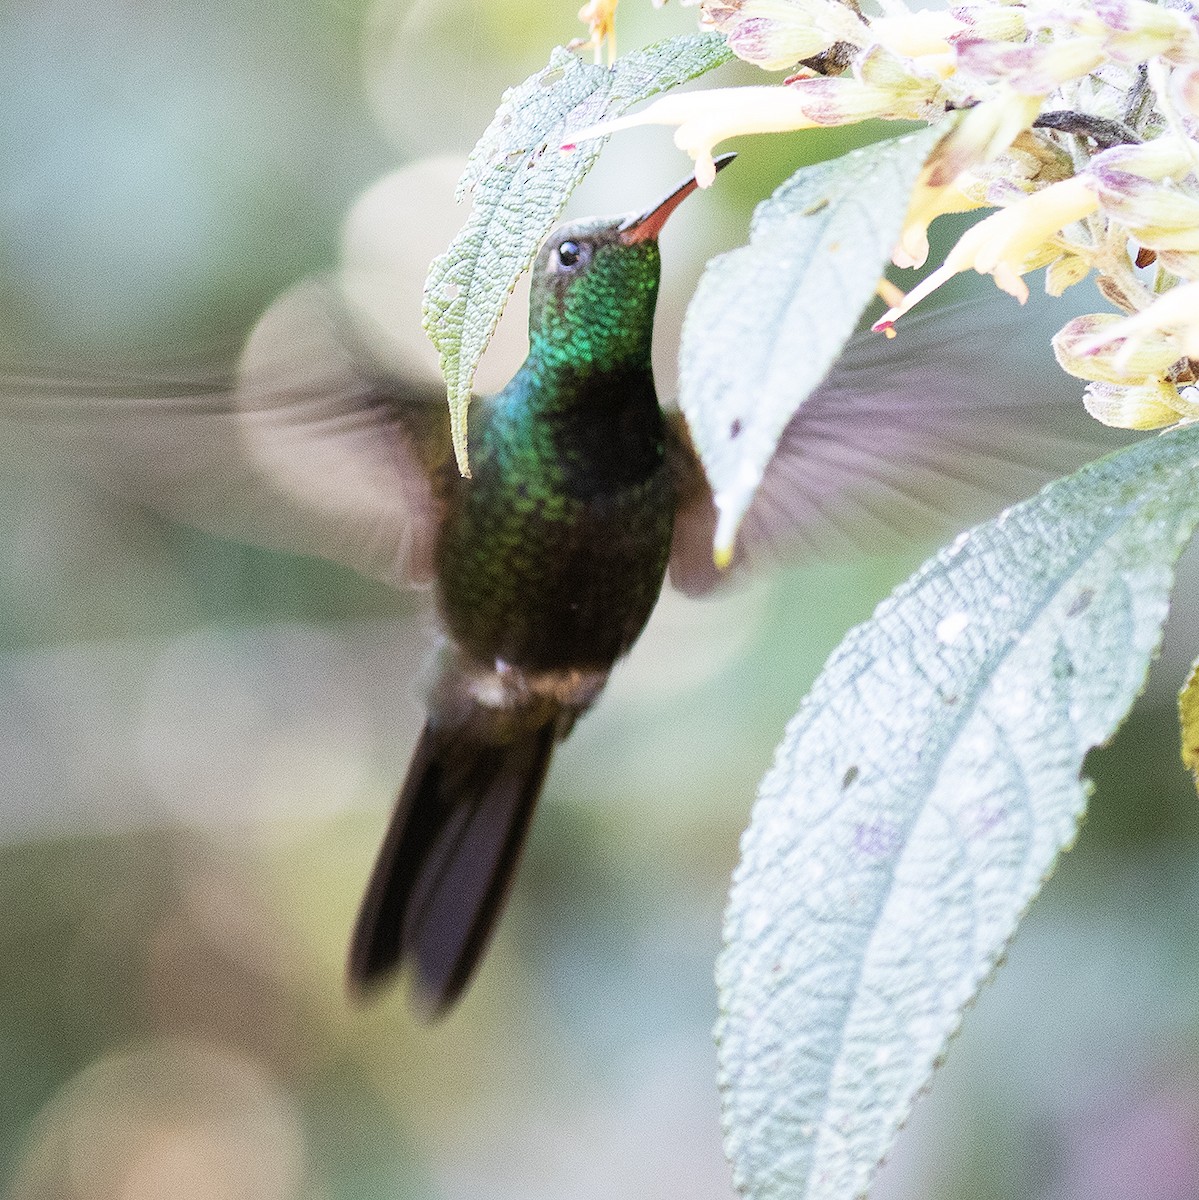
column 553, row 553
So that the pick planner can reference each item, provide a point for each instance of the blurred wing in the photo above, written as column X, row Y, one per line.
column 355, row 453
column 907, row 440
column 312, row 448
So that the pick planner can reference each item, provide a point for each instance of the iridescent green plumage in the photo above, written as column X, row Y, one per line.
column 549, row 561
column 553, row 554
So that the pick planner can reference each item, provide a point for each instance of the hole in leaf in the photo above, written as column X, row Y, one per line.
column 552, row 77
column 1081, row 602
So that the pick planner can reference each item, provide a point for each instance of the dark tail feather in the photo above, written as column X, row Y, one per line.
column 451, row 850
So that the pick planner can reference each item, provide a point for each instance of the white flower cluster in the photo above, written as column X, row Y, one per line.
column 1077, row 119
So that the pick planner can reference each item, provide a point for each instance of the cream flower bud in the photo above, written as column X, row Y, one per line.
column 1184, row 90
column 707, row 118
column 1064, row 272
column 1009, row 243
column 1165, row 157
column 1083, row 351
column 776, row 34
column 921, row 37
column 600, row 18
column 926, row 205
column 1137, row 30
column 1157, row 214
column 993, row 22
column 1141, row 406
column 986, row 131
column 1174, row 314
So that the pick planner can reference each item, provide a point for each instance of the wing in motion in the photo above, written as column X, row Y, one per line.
column 905, row 440
column 311, row 448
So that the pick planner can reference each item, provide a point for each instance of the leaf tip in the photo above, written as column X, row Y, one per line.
column 458, row 433
column 727, row 523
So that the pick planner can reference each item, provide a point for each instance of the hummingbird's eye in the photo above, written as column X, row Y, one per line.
column 570, row 254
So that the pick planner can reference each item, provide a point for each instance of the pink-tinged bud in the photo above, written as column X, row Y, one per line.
column 1136, row 30
column 776, row 34
column 1083, row 350
column 1184, row 90
column 706, row 118
column 992, row 22
column 1174, row 314
column 1157, row 214
column 991, row 60
column 772, row 45
column 1165, row 157
column 1183, row 263
column 1032, row 68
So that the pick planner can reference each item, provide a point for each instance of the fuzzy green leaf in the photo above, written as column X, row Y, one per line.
column 769, row 319
column 918, row 800
column 521, row 180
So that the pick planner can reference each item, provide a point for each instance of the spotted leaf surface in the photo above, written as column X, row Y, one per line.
column 520, row 181
column 918, row 800
column 769, row 319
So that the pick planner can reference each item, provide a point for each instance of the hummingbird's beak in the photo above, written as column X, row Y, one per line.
column 648, row 225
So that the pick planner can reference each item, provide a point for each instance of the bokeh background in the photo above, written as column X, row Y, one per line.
column 199, row 740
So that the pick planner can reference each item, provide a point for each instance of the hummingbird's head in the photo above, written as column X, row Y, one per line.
column 595, row 285
column 593, row 298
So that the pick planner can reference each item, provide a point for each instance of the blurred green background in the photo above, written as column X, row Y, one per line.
column 199, row 741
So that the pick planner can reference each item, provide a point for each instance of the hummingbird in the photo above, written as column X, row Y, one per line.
column 549, row 560
column 584, row 495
